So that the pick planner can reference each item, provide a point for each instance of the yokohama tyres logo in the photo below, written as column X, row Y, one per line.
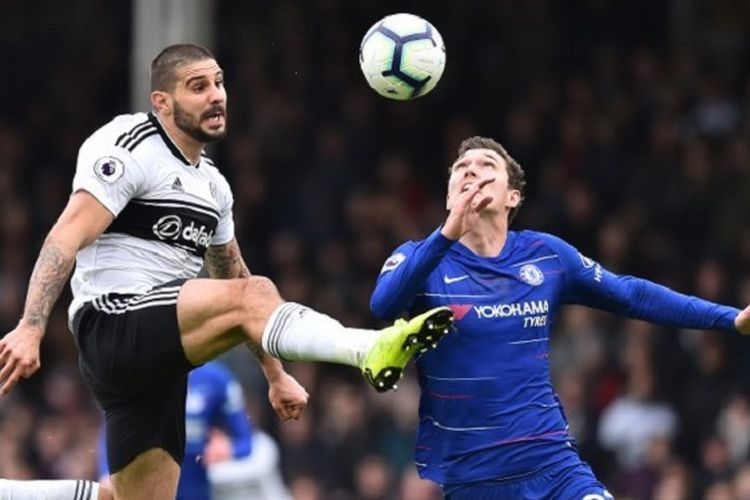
column 534, row 307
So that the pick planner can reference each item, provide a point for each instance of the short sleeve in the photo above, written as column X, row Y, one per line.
column 108, row 173
column 225, row 228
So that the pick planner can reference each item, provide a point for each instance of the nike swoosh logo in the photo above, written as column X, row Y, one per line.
column 448, row 280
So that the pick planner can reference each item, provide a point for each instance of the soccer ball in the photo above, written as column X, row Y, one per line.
column 402, row 56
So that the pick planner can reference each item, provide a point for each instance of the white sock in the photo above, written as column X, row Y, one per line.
column 297, row 333
column 48, row 490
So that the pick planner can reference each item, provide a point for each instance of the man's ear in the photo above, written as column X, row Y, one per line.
column 161, row 102
column 514, row 198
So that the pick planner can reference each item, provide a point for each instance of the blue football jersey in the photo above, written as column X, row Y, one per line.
column 488, row 408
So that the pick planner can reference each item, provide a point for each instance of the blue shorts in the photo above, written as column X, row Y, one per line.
column 570, row 479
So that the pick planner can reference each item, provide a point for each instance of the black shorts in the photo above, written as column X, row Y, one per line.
column 132, row 358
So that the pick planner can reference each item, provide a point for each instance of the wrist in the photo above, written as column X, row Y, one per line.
column 449, row 234
column 32, row 327
column 272, row 368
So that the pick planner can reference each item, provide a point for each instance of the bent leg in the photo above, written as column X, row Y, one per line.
column 216, row 315
column 152, row 474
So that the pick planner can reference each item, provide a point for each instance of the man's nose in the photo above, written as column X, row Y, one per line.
column 217, row 95
column 470, row 171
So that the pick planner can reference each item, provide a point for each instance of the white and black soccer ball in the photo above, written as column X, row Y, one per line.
column 402, row 56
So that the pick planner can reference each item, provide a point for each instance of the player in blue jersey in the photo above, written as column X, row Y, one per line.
column 214, row 402
column 490, row 423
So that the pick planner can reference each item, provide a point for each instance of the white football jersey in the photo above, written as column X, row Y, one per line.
column 167, row 210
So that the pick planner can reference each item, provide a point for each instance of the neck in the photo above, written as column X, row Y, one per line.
column 487, row 238
column 188, row 146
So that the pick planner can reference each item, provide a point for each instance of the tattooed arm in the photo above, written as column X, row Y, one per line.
column 82, row 221
column 225, row 261
column 287, row 397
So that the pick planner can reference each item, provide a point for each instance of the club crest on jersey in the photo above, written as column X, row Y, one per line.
column 531, row 274
column 108, row 169
column 214, row 191
column 393, row 262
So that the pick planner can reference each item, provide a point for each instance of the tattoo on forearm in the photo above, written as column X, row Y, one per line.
column 225, row 261
column 50, row 274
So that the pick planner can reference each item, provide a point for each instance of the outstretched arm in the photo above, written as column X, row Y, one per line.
column 590, row 284
column 287, row 396
column 81, row 222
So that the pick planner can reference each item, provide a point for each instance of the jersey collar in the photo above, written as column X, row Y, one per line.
column 510, row 243
column 173, row 148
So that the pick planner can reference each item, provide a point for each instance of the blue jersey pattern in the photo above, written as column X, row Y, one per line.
column 214, row 400
column 488, row 409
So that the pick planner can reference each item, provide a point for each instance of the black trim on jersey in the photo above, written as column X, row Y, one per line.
column 83, row 490
column 188, row 204
column 139, row 139
column 133, row 131
column 180, row 224
column 171, row 145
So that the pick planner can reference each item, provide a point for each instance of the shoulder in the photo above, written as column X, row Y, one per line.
column 537, row 244
column 569, row 255
column 406, row 247
column 539, row 238
column 213, row 172
column 525, row 241
column 109, row 146
column 120, row 132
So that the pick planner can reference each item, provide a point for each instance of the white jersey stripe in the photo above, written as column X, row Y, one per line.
column 156, row 301
column 546, row 257
column 517, row 342
column 118, row 304
column 461, row 429
column 152, row 304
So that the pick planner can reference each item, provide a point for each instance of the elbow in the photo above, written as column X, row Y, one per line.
column 381, row 307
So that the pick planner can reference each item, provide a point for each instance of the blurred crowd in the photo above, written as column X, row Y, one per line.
column 632, row 120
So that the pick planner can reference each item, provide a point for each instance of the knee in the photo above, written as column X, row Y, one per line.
column 105, row 493
column 259, row 292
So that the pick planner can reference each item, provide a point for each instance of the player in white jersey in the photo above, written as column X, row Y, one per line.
column 147, row 211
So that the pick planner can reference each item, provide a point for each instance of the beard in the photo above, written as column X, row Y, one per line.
column 191, row 125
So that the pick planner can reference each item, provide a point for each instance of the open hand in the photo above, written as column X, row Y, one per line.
column 467, row 204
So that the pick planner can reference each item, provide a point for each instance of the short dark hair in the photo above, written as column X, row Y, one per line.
column 516, row 175
column 164, row 66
